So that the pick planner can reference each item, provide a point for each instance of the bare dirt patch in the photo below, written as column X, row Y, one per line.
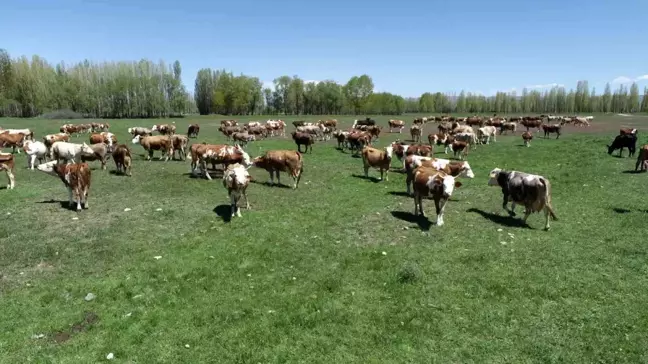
column 89, row 319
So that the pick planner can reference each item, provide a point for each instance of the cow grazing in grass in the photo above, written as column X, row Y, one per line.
column 150, row 144
column 7, row 164
column 193, row 130
column 453, row 168
column 303, row 139
column 623, row 141
column 402, row 150
column 34, row 150
column 100, row 153
column 138, row 130
column 236, row 180
column 379, row 159
column 123, row 159
column 552, row 129
column 14, row 141
column 624, row 131
column 229, row 123
column 415, row 132
column 69, row 152
column 530, row 123
column 275, row 161
column 201, row 154
column 104, row 137
column 428, row 182
column 76, row 177
column 527, row 136
column 396, row 124
column 164, row 129
column 229, row 130
column 366, row 121
column 531, row 191
column 487, row 132
column 243, row 138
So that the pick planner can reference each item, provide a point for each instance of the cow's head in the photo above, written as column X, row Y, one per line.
column 493, row 175
column 47, row 167
column 389, row 150
column 466, row 171
column 446, row 182
column 137, row 139
column 246, row 157
column 85, row 148
column 155, row 128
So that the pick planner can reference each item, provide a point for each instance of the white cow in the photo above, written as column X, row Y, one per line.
column 70, row 152
column 236, row 179
column 34, row 150
column 486, row 132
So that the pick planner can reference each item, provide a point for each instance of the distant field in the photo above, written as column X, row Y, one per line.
column 338, row 271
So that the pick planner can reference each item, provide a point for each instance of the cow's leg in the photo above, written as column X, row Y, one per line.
column 639, row 161
column 86, row 192
column 416, row 204
column 408, row 182
column 70, row 197
column 271, row 177
column 32, row 159
column 504, row 203
column 11, row 178
column 278, row 178
column 366, row 170
column 299, row 173
column 386, row 172
column 203, row 168
column 247, row 203
column 150, row 155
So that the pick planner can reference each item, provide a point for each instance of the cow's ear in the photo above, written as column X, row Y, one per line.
column 458, row 184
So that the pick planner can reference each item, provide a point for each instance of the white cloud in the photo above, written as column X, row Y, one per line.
column 268, row 84
column 641, row 78
column 312, row 81
column 548, row 85
column 622, row 79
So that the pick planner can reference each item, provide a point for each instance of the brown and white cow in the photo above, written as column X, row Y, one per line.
column 527, row 136
column 379, row 159
column 276, row 127
column 100, row 153
column 229, row 130
column 236, row 180
column 201, row 154
column 229, row 123
column 28, row 133
column 441, row 139
column 7, row 164
column 461, row 148
column 99, row 127
column 150, row 144
column 358, row 140
column 303, row 139
column 642, row 158
column 415, row 133
column 14, row 141
column 532, row 191
column 104, row 137
column 453, row 168
column 243, row 138
column 428, row 182
column 485, row 133
column 76, row 177
column 396, row 124
column 193, row 130
column 275, row 161
column 552, row 129
column 138, row 130
column 123, row 159
column 402, row 150
column 508, row 126
column 164, row 129
column 341, row 137
column 180, row 143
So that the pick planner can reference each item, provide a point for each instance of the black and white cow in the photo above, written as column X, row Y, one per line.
column 532, row 191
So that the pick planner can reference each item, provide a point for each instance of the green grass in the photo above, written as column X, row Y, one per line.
column 337, row 271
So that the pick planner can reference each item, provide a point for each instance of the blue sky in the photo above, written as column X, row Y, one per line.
column 408, row 47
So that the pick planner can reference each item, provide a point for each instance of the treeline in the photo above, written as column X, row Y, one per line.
column 138, row 89
column 144, row 89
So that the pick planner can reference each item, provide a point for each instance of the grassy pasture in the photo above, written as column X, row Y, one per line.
column 338, row 271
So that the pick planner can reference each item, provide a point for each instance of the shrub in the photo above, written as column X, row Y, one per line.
column 62, row 114
column 409, row 273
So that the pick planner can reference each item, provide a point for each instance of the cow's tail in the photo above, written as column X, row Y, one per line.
column 547, row 196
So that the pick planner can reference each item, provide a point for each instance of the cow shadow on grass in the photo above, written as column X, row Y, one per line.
column 63, row 203
column 370, row 178
column 399, row 193
column 268, row 184
column 632, row 171
column 224, row 212
column 504, row 220
column 423, row 223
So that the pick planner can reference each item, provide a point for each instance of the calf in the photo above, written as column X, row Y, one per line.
column 7, row 165
column 642, row 159
column 14, row 141
column 193, row 130
column 236, row 180
column 162, row 143
column 303, row 139
column 623, row 141
column 552, row 129
column 376, row 158
column 486, row 132
column 341, row 137
column 402, row 150
column 461, row 148
column 453, row 168
column 76, row 177
column 180, row 143
column 526, row 137
column 138, row 130
column 275, row 161
column 123, row 159
column 428, row 182
column 100, row 153
column 532, row 191
column 69, row 152
column 34, row 150
column 415, row 132
column 164, row 129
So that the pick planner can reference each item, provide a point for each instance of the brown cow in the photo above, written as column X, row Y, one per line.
column 441, row 139
column 229, row 130
column 303, row 139
column 402, row 150
column 551, row 129
column 396, row 124
column 275, row 161
column 14, row 141
column 76, row 177
column 474, row 120
column 162, row 143
column 243, row 138
column 229, row 123
column 428, row 182
column 201, row 154
column 7, row 164
column 95, row 127
column 180, row 143
column 531, row 122
column 642, row 159
column 123, row 159
column 453, row 168
column 101, row 153
column 415, row 132
column 527, row 136
column 358, row 140
column 459, row 147
column 376, row 158
column 164, row 129
column 193, row 130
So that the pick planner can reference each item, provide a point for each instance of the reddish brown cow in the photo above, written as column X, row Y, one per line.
column 14, row 141
column 402, row 150
column 303, row 139
column 642, row 159
column 358, row 140
column 527, row 136
column 123, row 159
column 428, row 182
column 7, row 164
column 217, row 154
column 376, row 158
column 459, row 147
column 275, row 161
column 192, row 131
column 162, row 143
column 473, row 120
column 76, row 177
column 441, row 139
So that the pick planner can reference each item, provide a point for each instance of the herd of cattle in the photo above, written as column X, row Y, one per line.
column 426, row 176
